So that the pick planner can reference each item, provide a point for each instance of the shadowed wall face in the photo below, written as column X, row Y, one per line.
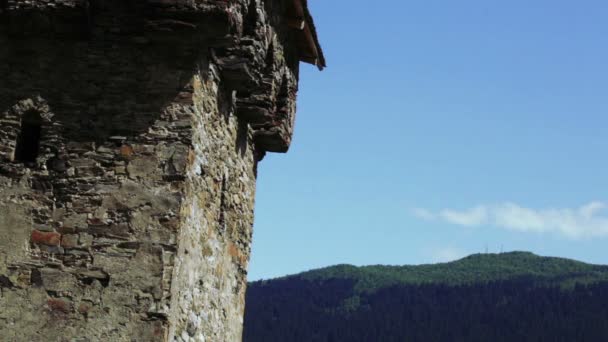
column 129, row 138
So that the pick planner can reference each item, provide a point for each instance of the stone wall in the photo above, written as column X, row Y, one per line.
column 132, row 220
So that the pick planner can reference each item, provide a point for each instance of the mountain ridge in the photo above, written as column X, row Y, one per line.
column 516, row 296
column 470, row 269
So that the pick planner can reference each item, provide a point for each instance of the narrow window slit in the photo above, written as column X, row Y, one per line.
column 28, row 141
column 223, row 207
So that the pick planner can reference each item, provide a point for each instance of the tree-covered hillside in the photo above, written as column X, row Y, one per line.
column 500, row 297
column 472, row 269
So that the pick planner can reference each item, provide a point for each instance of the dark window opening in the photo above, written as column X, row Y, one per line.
column 251, row 20
column 270, row 58
column 223, row 207
column 28, row 141
column 283, row 96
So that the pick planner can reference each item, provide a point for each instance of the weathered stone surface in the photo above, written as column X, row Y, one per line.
column 129, row 139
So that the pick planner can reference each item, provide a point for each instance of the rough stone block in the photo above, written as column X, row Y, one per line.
column 46, row 238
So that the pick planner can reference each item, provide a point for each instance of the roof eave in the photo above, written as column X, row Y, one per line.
column 309, row 46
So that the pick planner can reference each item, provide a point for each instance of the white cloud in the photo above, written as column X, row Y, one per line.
column 590, row 220
column 422, row 213
column 471, row 218
column 592, row 208
column 447, row 254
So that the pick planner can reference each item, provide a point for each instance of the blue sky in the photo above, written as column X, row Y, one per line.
column 440, row 128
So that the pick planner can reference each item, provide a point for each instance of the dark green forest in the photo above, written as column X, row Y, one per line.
column 514, row 296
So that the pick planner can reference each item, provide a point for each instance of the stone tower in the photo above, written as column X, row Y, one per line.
column 130, row 131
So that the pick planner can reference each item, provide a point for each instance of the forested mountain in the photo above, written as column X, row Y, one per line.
column 484, row 297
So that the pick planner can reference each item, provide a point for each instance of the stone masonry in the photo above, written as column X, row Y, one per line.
column 130, row 132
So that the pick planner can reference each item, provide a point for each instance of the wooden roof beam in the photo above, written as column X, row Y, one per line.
column 299, row 19
column 296, row 23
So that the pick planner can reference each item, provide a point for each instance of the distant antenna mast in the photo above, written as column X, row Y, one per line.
column 486, row 248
